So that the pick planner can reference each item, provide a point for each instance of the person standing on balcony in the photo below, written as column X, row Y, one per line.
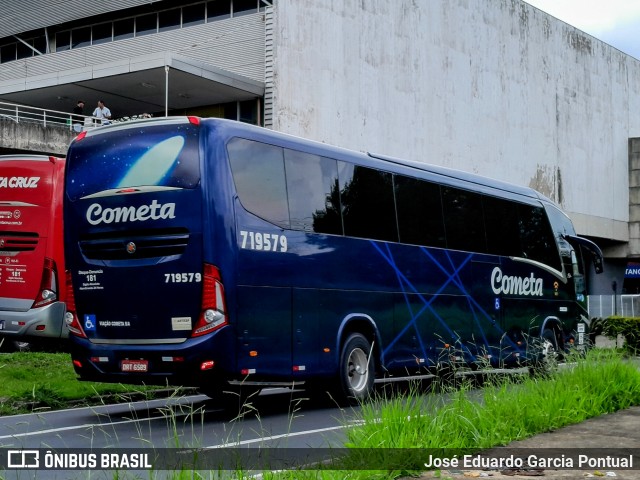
column 78, row 120
column 102, row 112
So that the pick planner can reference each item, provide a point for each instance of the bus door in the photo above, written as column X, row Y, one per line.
column 581, row 249
column 263, row 301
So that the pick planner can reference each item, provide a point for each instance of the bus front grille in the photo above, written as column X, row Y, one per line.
column 135, row 245
column 12, row 242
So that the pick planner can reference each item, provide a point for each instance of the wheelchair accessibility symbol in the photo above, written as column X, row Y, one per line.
column 89, row 322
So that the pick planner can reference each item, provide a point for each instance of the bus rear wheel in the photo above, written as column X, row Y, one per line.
column 357, row 369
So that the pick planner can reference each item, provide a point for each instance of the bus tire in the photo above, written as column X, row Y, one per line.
column 550, row 342
column 357, row 369
column 548, row 361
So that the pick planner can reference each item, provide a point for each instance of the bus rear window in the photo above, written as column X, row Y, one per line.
column 153, row 155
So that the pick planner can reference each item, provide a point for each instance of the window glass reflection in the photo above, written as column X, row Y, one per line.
column 258, row 173
column 314, row 198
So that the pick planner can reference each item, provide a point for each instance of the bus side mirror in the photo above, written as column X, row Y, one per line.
column 596, row 253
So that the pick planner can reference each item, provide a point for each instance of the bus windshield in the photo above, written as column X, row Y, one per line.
column 161, row 155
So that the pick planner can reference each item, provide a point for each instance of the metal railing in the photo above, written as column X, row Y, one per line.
column 606, row 305
column 47, row 118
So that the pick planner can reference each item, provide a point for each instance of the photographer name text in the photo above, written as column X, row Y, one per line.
column 530, row 461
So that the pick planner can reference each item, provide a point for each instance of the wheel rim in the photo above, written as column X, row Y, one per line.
column 549, row 352
column 357, row 370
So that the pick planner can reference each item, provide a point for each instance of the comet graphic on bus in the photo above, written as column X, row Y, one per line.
column 155, row 164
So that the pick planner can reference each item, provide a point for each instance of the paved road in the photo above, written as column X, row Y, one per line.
column 277, row 418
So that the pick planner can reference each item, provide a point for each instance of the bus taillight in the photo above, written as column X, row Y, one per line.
column 80, row 136
column 48, row 292
column 71, row 317
column 214, row 312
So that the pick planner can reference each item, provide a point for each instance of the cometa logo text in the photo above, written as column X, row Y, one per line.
column 156, row 211
column 512, row 285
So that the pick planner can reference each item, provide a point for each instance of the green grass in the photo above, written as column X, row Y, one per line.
column 463, row 419
column 36, row 381
column 468, row 420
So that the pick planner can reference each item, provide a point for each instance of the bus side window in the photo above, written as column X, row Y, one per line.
column 419, row 207
column 258, row 173
column 463, row 220
column 314, row 195
column 501, row 223
column 368, row 208
column 536, row 236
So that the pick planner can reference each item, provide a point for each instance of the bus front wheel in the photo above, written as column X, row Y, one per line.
column 357, row 369
column 547, row 362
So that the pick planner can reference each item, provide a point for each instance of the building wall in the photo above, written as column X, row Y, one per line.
column 17, row 16
column 235, row 45
column 495, row 87
column 34, row 137
column 634, row 197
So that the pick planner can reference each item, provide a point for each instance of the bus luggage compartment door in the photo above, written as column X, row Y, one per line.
column 264, row 331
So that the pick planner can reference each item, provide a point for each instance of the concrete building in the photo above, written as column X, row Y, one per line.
column 494, row 87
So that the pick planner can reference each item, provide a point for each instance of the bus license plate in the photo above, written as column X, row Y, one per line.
column 134, row 366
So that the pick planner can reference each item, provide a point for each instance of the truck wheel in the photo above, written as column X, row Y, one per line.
column 357, row 369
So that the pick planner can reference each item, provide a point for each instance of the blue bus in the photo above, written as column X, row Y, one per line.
column 211, row 253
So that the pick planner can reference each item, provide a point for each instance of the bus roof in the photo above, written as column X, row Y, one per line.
column 231, row 128
column 383, row 162
column 462, row 175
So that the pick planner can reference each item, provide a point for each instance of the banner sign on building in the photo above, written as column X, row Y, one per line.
column 632, row 270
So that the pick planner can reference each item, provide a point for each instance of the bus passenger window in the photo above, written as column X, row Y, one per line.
column 312, row 188
column 463, row 220
column 368, row 209
column 258, row 173
column 536, row 236
column 501, row 225
column 419, row 212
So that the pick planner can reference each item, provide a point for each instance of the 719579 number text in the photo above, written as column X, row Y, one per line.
column 268, row 242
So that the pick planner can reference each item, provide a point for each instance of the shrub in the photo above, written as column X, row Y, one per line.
column 628, row 327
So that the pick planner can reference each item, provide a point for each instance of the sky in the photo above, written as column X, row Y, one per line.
column 616, row 22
